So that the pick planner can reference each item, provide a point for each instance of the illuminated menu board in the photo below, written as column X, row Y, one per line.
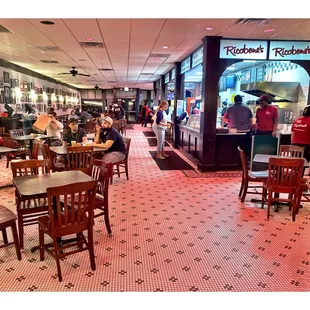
column 173, row 74
column 167, row 78
column 197, row 57
column 186, row 64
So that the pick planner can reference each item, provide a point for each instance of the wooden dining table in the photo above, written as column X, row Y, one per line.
column 62, row 150
column 36, row 185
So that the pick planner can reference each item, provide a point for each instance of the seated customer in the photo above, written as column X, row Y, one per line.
column 74, row 133
column 54, row 129
column 110, row 140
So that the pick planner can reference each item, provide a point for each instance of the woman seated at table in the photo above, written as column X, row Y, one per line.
column 110, row 140
column 74, row 133
column 301, row 132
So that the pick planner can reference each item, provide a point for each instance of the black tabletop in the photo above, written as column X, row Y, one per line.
column 62, row 150
column 30, row 137
column 37, row 184
column 7, row 149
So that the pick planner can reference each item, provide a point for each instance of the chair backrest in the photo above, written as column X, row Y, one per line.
column 16, row 132
column 9, row 142
column 102, row 172
column 285, row 174
column 30, row 167
column 263, row 144
column 45, row 150
column 243, row 163
column 35, row 149
column 66, row 216
column 80, row 158
column 127, row 142
column 291, row 151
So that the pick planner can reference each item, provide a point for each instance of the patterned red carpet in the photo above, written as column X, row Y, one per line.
column 172, row 233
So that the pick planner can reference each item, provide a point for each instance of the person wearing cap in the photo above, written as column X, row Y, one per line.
column 266, row 118
column 301, row 132
column 110, row 140
column 74, row 133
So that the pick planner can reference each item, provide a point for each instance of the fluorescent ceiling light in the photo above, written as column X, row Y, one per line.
column 269, row 30
column 164, row 46
column 209, row 28
column 89, row 39
column 126, row 89
column 249, row 60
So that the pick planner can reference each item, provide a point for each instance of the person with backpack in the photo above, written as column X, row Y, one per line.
column 145, row 113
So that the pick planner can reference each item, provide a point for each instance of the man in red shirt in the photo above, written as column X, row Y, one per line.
column 301, row 132
column 266, row 118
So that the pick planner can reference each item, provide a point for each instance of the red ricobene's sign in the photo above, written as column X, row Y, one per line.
column 233, row 50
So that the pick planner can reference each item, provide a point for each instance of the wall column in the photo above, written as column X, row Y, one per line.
column 137, row 102
column 177, row 96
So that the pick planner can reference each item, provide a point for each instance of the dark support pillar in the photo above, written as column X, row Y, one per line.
column 137, row 102
column 211, row 74
column 177, row 96
column 163, row 88
column 114, row 94
column 148, row 97
column 104, row 100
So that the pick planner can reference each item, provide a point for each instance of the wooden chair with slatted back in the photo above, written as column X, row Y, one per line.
column 80, row 158
column 123, row 163
column 284, row 177
column 102, row 172
column 35, row 149
column 249, row 177
column 64, row 220
column 46, row 153
column 21, row 153
column 8, row 219
column 291, row 151
column 16, row 132
column 29, row 208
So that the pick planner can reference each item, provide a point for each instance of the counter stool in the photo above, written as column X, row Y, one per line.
column 8, row 219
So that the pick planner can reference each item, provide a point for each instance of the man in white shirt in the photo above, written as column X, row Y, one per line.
column 54, row 129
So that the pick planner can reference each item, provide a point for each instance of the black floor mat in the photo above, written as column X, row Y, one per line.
column 174, row 162
column 153, row 142
column 149, row 134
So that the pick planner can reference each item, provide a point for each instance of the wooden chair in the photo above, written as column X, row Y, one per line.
column 284, row 177
column 8, row 219
column 102, row 172
column 35, row 149
column 291, row 151
column 46, row 153
column 304, row 195
column 249, row 176
column 123, row 163
column 16, row 132
column 80, row 158
column 29, row 208
column 64, row 220
column 2, row 130
column 21, row 153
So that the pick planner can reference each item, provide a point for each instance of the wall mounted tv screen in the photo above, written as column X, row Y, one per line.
column 230, row 81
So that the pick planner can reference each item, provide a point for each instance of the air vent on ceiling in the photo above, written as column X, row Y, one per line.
column 91, row 44
column 252, row 21
column 50, row 61
column 112, row 82
column 105, row 69
column 82, row 60
column 160, row 55
column 49, row 48
column 146, row 73
column 4, row 30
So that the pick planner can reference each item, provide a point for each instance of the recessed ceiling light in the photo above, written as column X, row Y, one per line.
column 269, row 30
column 209, row 28
column 47, row 22
column 89, row 39
column 164, row 46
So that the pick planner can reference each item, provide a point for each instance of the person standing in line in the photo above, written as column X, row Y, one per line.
column 301, row 132
column 266, row 118
column 159, row 127
column 224, row 109
column 144, row 113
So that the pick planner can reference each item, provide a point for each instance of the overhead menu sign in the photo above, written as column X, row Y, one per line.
column 173, row 74
column 236, row 49
column 197, row 57
column 185, row 64
column 167, row 77
column 285, row 50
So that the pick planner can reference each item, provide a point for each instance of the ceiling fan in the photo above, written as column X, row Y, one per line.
column 96, row 86
column 74, row 72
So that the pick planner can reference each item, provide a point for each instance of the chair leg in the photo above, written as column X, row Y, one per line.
column 57, row 258
column 269, row 204
column 126, row 169
column 91, row 248
column 79, row 241
column 20, row 229
column 41, row 243
column 294, row 205
column 298, row 201
column 5, row 236
column 264, row 196
column 241, row 188
column 111, row 179
column 7, row 161
column 118, row 172
column 245, row 190
column 107, row 221
column 15, row 239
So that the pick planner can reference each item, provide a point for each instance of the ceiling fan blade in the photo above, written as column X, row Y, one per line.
column 83, row 74
column 63, row 73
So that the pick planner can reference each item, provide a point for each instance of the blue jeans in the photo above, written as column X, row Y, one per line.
column 160, row 135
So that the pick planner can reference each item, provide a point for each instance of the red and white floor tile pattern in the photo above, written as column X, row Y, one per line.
column 172, row 233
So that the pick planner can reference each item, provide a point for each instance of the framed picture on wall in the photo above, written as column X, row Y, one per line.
column 7, row 94
column 25, row 86
column 6, row 77
column 1, row 82
column 21, row 86
column 1, row 96
column 16, row 82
